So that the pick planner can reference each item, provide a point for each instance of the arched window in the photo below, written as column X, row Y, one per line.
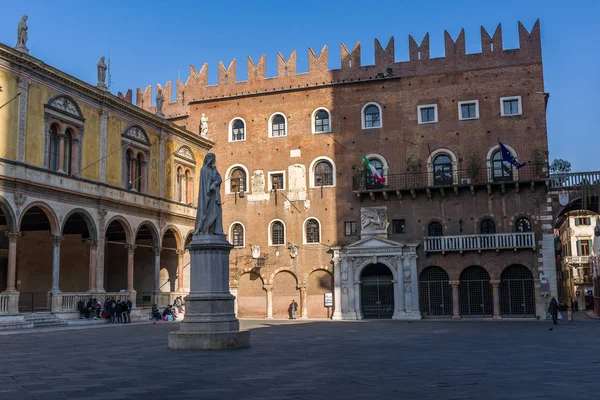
column 130, row 162
column 378, row 165
column 237, row 235
column 179, row 185
column 487, row 226
column 372, row 116
column 501, row 170
column 54, row 145
column 188, row 186
column 278, row 126
column 523, row 224
column 238, row 130
column 322, row 121
column 312, row 231
column 238, row 180
column 67, row 151
column 323, row 174
column 138, row 174
column 442, row 170
column 435, row 228
column 277, row 233
column 371, row 182
column 137, row 143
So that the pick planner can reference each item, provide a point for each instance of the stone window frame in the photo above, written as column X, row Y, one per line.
column 434, row 221
column 431, row 159
column 184, row 159
column 270, row 181
column 65, row 114
column 486, row 219
column 135, row 139
column 228, row 176
column 362, row 116
column 490, row 162
column 312, row 167
column 270, row 232
column 233, row 224
column 435, row 114
column 305, row 232
column 523, row 218
column 508, row 98
column 313, row 120
column 287, row 130
column 383, row 160
column 461, row 103
column 230, row 130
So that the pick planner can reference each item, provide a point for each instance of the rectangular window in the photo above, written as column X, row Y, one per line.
column 351, row 228
column 398, row 226
column 427, row 114
column 277, row 180
column 583, row 247
column 583, row 221
column 510, row 106
column 468, row 110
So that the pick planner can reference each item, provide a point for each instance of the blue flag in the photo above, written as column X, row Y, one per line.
column 508, row 157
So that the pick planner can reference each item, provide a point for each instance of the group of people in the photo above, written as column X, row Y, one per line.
column 115, row 311
column 169, row 311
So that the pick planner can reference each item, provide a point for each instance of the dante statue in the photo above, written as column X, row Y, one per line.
column 159, row 102
column 22, row 33
column 209, row 217
column 101, row 72
column 204, row 125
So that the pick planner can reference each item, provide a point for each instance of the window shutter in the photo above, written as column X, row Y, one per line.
column 579, row 247
column 588, row 221
column 577, row 222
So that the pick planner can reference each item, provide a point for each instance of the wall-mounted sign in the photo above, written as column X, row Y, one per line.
column 590, row 293
column 328, row 299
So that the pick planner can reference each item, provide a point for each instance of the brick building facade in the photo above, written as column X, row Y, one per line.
column 453, row 231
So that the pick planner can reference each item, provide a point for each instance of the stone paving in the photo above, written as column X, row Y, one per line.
column 309, row 360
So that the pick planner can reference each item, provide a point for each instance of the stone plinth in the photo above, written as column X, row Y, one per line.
column 210, row 322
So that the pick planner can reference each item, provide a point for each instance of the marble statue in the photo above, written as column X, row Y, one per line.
column 159, row 103
column 209, row 217
column 204, row 125
column 101, row 72
column 22, row 34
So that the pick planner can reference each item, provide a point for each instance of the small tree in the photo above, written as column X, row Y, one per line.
column 474, row 166
column 359, row 173
column 560, row 166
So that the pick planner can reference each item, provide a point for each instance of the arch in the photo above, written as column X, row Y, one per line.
column 243, row 133
column 285, row 125
column 305, row 232
column 186, row 153
column 311, row 168
column 231, row 239
column 523, row 224
column 270, row 232
column 50, row 214
column 431, row 172
column 92, row 229
column 250, row 294
column 376, row 294
column 487, row 225
column 517, row 292
column 313, row 269
column 176, row 233
column 475, row 292
column 326, row 128
column 277, row 271
column 317, row 282
column 137, row 134
column 129, row 238
column 236, row 279
column 383, row 161
column 228, row 176
column 435, row 293
column 368, row 261
column 65, row 104
column 435, row 228
column 490, row 164
column 152, row 228
column 9, row 215
column 366, row 122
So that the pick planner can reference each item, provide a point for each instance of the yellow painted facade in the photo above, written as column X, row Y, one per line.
column 9, row 115
column 91, row 143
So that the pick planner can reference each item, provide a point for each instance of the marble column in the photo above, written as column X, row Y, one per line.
column 234, row 292
column 400, row 273
column 496, row 299
column 269, row 290
column 156, row 290
column 357, row 295
column 406, row 275
column 337, row 280
column 56, row 264
column 180, row 254
column 61, row 152
column 100, row 250
column 12, row 262
column 130, row 252
column 303, row 302
column 455, row 299
column 92, row 267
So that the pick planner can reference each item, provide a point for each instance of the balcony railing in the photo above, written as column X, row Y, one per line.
column 577, row 259
column 574, row 179
column 495, row 241
column 448, row 178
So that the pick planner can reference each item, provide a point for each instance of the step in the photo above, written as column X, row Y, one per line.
column 15, row 325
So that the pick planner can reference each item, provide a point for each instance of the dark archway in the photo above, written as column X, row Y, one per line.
column 115, row 256
column 517, row 292
column 475, row 292
column 435, row 293
column 377, row 292
column 168, row 262
column 75, row 253
column 144, row 262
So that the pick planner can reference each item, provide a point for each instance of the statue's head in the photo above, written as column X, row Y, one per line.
column 25, row 17
column 102, row 58
column 159, row 91
column 210, row 160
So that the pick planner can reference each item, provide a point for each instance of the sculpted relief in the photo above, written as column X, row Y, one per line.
column 373, row 220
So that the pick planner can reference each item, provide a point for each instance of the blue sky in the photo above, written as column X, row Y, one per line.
column 154, row 41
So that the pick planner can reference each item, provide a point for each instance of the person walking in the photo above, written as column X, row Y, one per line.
column 553, row 310
column 129, row 306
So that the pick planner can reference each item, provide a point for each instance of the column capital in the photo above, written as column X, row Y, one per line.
column 156, row 250
column 180, row 253
column 13, row 236
column 495, row 283
column 301, row 288
column 130, row 247
column 268, row 288
column 454, row 283
column 56, row 240
column 92, row 243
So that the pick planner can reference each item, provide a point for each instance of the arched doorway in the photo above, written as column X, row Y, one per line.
column 116, row 237
column 377, row 292
column 517, row 292
column 285, row 289
column 475, row 293
column 435, row 293
column 144, row 263
column 34, row 268
column 319, row 282
column 251, row 297
column 168, row 262
column 75, row 253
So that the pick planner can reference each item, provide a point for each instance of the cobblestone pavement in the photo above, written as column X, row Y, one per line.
column 310, row 360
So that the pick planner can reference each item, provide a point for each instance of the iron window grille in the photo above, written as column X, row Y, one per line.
column 351, row 228
column 277, row 234
column 323, row 174
column 238, row 235
column 322, row 121
column 312, row 231
column 398, row 226
column 435, row 228
column 487, row 226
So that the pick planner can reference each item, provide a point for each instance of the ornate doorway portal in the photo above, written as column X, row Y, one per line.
column 377, row 292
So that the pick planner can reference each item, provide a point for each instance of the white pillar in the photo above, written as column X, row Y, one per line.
column 357, row 294
column 180, row 254
column 56, row 264
column 234, row 293
column 303, row 302
column 269, row 290
column 401, row 294
column 337, row 280
column 12, row 262
column 156, row 272
column 408, row 303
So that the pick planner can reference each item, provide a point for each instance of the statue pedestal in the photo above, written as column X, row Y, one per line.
column 22, row 49
column 209, row 322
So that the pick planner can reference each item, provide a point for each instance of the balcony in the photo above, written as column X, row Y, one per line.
column 450, row 180
column 574, row 180
column 577, row 259
column 495, row 241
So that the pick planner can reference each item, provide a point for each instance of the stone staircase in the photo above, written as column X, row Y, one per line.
column 45, row 320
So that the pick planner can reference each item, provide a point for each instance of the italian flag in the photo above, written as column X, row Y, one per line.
column 378, row 177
